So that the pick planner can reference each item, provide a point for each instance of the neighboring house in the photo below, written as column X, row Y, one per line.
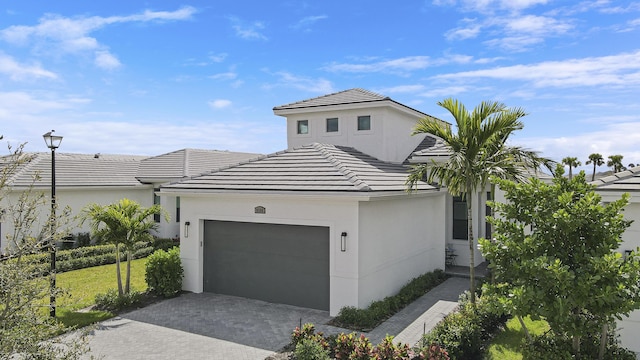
column 326, row 223
column 178, row 165
column 611, row 188
column 82, row 179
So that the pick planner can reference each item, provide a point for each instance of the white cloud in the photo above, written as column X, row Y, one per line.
column 401, row 89
column 220, row 103
column 251, row 31
column 57, row 34
column 404, row 64
column 230, row 75
column 463, row 33
column 106, row 60
column 615, row 70
column 288, row 80
column 218, row 58
column 486, row 6
column 16, row 106
column 18, row 72
column 445, row 91
column 617, row 138
column 306, row 22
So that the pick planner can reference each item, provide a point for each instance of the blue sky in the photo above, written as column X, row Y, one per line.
column 152, row 77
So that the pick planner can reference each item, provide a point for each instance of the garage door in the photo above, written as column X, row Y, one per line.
column 277, row 263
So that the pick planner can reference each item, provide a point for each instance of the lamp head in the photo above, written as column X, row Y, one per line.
column 52, row 141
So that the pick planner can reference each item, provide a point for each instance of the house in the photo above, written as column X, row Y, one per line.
column 82, row 179
column 326, row 223
column 611, row 188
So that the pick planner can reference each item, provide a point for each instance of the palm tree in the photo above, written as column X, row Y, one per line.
column 597, row 160
column 123, row 223
column 571, row 162
column 478, row 151
column 615, row 162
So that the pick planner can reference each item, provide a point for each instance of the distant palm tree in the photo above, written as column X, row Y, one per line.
column 615, row 162
column 478, row 151
column 571, row 162
column 597, row 160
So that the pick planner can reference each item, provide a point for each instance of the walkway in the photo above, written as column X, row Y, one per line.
column 217, row 326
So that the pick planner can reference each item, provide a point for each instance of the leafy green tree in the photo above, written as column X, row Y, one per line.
column 597, row 160
column 478, row 151
column 553, row 256
column 571, row 162
column 26, row 330
column 615, row 162
column 123, row 223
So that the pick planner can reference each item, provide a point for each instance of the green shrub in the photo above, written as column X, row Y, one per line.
column 378, row 311
column 164, row 272
column 466, row 333
column 164, row 244
column 111, row 301
column 309, row 349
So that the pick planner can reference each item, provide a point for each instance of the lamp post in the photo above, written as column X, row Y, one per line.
column 53, row 142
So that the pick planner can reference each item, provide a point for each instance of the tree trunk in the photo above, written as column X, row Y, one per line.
column 118, row 270
column 593, row 176
column 472, row 268
column 127, row 287
column 576, row 346
column 603, row 341
column 524, row 328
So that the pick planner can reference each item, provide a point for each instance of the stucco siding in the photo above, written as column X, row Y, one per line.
column 76, row 200
column 398, row 240
column 389, row 138
column 339, row 216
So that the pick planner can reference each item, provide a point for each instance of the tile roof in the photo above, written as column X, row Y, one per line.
column 431, row 146
column 314, row 167
column 351, row 96
column 189, row 162
column 628, row 180
column 77, row 170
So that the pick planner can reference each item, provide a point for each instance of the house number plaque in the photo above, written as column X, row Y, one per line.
column 260, row 210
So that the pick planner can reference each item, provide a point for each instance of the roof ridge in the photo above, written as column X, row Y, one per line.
column 343, row 169
column 360, row 90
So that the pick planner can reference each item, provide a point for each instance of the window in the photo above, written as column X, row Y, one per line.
column 460, row 222
column 332, row 125
column 488, row 212
column 364, row 122
column 177, row 208
column 303, row 127
column 156, row 201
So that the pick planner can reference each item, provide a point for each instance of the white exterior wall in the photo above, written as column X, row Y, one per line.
column 629, row 328
column 389, row 138
column 339, row 216
column 399, row 240
column 76, row 199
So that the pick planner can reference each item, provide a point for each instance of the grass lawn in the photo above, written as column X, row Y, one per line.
column 81, row 287
column 507, row 344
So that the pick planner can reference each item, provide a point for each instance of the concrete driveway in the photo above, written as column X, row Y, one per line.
column 204, row 325
column 212, row 326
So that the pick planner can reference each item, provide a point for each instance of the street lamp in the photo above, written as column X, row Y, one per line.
column 53, row 142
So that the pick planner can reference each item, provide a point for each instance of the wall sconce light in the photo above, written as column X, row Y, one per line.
column 186, row 229
column 343, row 241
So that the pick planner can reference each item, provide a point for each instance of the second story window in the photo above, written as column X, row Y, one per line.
column 364, row 122
column 303, row 127
column 332, row 125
